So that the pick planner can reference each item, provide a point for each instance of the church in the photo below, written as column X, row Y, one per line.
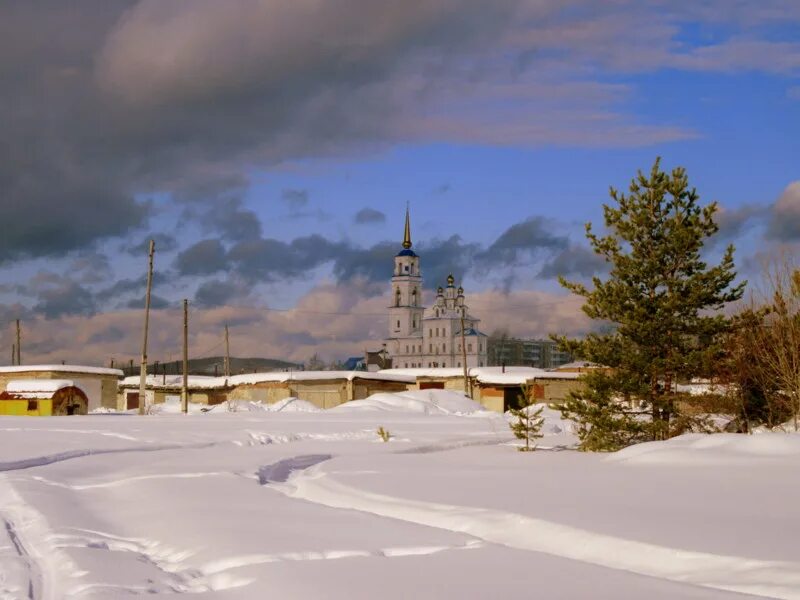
column 432, row 337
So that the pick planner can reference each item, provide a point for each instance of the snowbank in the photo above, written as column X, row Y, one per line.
column 427, row 402
column 294, row 405
column 721, row 448
column 554, row 424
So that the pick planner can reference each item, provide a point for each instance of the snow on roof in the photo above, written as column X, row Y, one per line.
column 83, row 369
column 174, row 381
column 37, row 388
column 283, row 376
column 579, row 364
column 206, row 382
column 489, row 375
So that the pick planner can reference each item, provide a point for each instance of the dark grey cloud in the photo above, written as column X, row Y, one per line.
column 573, row 261
column 56, row 296
column 368, row 216
column 123, row 288
column 202, row 258
column 271, row 260
column 93, row 117
column 521, row 240
column 233, row 222
column 164, row 242
column 156, row 302
column 220, row 292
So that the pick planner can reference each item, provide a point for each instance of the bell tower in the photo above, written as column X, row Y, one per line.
column 406, row 309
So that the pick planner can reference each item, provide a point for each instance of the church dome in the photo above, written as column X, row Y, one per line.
column 406, row 252
column 450, row 280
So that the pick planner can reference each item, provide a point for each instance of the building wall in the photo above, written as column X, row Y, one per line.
column 554, row 390
column 44, row 408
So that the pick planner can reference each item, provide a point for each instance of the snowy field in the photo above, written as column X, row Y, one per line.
column 310, row 504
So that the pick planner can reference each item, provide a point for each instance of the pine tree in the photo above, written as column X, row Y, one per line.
column 661, row 303
column 529, row 420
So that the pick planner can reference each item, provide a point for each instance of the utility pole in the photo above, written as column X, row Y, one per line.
column 185, row 387
column 464, row 357
column 227, row 354
column 19, row 360
column 143, row 368
column 13, row 354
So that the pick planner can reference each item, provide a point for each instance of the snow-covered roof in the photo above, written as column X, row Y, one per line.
column 37, row 388
column 82, row 369
column 488, row 375
column 206, row 382
column 579, row 364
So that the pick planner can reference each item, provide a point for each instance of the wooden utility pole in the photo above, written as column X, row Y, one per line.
column 13, row 354
column 19, row 336
column 143, row 368
column 464, row 357
column 227, row 354
column 185, row 386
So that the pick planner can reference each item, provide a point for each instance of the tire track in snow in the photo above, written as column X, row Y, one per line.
column 773, row 579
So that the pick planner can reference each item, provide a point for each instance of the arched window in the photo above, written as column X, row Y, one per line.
column 414, row 297
column 397, row 297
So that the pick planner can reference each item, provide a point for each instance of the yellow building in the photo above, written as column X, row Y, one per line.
column 98, row 384
column 43, row 397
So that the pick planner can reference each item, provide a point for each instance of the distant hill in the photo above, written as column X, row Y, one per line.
column 214, row 366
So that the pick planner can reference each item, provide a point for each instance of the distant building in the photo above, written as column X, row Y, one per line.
column 432, row 337
column 543, row 354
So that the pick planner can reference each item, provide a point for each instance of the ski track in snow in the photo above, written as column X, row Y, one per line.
column 178, row 577
column 29, row 554
column 773, row 579
column 48, row 459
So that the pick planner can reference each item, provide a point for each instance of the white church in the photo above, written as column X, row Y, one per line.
column 432, row 337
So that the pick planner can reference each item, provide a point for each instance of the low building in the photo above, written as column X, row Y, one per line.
column 497, row 388
column 324, row 389
column 43, row 397
column 98, row 384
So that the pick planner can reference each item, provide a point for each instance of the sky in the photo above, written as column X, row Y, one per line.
column 271, row 149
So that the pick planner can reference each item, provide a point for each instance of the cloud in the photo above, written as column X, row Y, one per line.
column 368, row 216
column 293, row 335
column 296, row 199
column 784, row 224
column 573, row 261
column 164, row 242
column 231, row 220
column 221, row 292
column 202, row 258
column 521, row 240
column 56, row 295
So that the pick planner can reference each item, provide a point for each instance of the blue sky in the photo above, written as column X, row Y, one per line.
column 501, row 123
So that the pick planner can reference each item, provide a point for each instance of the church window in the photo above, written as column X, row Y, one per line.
column 398, row 323
column 444, row 347
column 444, row 365
column 405, row 365
column 414, row 297
column 437, row 332
column 397, row 297
column 430, row 332
column 430, row 347
column 469, row 347
column 406, row 269
column 406, row 348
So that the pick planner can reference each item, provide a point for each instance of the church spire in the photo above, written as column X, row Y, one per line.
column 407, row 232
